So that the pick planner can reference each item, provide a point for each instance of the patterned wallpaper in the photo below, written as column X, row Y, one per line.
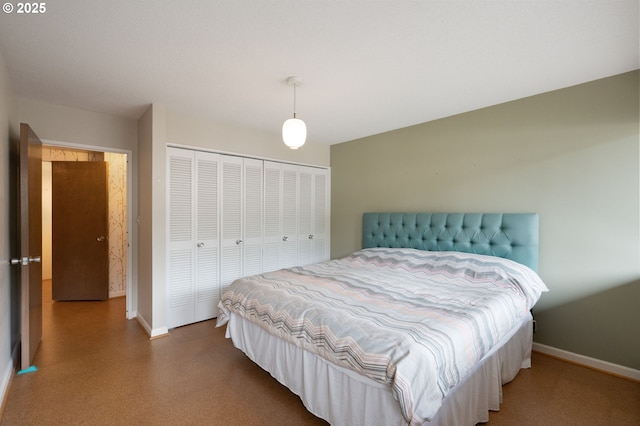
column 117, row 187
column 117, row 223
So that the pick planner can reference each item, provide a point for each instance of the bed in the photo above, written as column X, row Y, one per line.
column 363, row 340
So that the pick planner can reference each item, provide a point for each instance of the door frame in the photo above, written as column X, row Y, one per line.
column 131, row 300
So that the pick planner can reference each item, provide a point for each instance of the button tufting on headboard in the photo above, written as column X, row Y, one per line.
column 510, row 235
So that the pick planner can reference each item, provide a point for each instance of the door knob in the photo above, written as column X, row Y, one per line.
column 200, row 244
column 238, row 241
column 310, row 236
column 285, row 238
column 101, row 238
column 26, row 260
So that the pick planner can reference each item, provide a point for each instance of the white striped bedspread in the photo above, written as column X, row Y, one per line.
column 415, row 320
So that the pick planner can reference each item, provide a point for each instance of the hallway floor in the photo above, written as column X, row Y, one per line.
column 97, row 368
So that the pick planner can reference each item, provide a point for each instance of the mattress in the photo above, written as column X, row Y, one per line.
column 415, row 323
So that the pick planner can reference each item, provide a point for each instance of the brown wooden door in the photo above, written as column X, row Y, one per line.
column 80, row 250
column 29, row 207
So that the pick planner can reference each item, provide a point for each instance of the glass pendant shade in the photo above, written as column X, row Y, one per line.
column 294, row 133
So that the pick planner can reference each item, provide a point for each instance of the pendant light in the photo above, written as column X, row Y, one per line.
column 294, row 131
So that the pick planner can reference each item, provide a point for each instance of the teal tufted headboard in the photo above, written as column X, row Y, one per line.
column 510, row 235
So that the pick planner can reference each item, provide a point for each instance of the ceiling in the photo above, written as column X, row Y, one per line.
column 367, row 66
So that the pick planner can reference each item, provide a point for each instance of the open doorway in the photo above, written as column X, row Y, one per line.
column 118, row 205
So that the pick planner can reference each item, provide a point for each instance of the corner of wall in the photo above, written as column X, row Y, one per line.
column 143, row 220
column 158, row 220
column 151, row 217
column 10, row 331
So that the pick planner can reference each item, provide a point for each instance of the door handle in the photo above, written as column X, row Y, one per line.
column 285, row 238
column 311, row 236
column 200, row 244
column 26, row 260
column 238, row 242
column 101, row 238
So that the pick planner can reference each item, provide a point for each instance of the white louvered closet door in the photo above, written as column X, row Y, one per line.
column 296, row 215
column 272, row 241
column 313, row 216
column 289, row 216
column 230, row 217
column 231, row 242
column 193, row 287
column 180, row 256
column 207, row 278
column 252, row 217
column 321, row 211
column 305, row 216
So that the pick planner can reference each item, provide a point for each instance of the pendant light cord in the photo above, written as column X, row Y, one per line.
column 294, row 100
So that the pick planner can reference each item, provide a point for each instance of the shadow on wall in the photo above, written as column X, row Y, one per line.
column 605, row 325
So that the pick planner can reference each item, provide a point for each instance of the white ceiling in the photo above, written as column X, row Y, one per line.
column 367, row 66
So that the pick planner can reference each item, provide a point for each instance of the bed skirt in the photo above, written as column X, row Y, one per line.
column 346, row 398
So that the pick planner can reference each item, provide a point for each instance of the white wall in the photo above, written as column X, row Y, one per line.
column 206, row 133
column 9, row 300
column 71, row 125
column 145, row 232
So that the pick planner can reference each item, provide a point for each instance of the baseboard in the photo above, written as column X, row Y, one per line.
column 121, row 293
column 152, row 333
column 596, row 364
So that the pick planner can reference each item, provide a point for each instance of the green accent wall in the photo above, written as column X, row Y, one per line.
column 571, row 155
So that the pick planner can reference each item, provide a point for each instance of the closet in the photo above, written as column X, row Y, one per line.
column 193, row 263
column 312, row 216
column 241, row 218
column 231, row 216
column 296, row 215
